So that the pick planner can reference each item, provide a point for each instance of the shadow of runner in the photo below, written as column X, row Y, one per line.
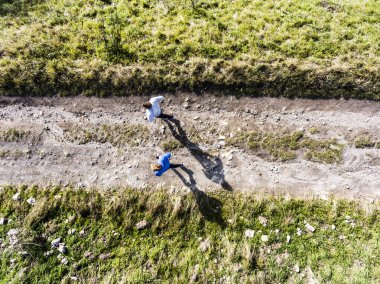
column 212, row 166
column 210, row 207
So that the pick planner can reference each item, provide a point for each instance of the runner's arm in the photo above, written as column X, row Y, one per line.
column 156, row 99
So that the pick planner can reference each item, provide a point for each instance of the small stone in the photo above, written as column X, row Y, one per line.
column 264, row 238
column 48, row 253
column 193, row 278
column 16, row 197
column 299, row 232
column 55, row 242
column 288, row 238
column 73, row 278
column 342, row 238
column 237, row 267
column 249, row 233
column 12, row 234
column 89, row 255
column 333, row 227
column 3, row 221
column 31, row 201
column 24, row 253
column 62, row 248
column 296, row 268
column 370, row 200
column 263, row 220
column 71, row 218
column 196, row 117
column 310, row 228
column 105, row 256
column 205, row 245
column 64, row 261
column 142, row 225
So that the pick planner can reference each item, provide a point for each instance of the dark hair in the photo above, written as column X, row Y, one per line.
column 147, row 105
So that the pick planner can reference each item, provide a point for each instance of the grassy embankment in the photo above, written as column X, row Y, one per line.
column 187, row 238
column 317, row 48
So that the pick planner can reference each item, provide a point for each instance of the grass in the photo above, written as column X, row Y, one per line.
column 118, row 135
column 182, row 241
column 171, row 145
column 11, row 154
column 314, row 130
column 318, row 48
column 13, row 135
column 285, row 146
column 328, row 151
column 364, row 141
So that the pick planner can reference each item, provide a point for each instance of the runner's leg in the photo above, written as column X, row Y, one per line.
column 173, row 166
column 163, row 115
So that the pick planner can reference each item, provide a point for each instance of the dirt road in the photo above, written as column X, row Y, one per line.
column 56, row 141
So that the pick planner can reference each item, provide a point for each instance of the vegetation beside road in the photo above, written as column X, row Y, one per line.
column 184, row 237
column 313, row 49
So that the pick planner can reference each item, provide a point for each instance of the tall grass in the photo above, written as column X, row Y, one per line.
column 186, row 240
column 316, row 48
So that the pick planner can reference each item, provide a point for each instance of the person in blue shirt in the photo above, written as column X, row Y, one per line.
column 163, row 164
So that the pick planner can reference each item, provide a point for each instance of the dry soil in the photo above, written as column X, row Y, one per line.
column 47, row 156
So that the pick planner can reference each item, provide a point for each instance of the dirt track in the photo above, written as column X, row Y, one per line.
column 48, row 157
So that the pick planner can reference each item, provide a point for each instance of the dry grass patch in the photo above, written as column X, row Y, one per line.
column 118, row 135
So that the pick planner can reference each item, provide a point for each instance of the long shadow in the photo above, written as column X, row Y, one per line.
column 212, row 166
column 210, row 207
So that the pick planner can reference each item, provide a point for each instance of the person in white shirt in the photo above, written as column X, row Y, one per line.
column 153, row 109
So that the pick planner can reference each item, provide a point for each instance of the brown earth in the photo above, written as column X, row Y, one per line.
column 58, row 148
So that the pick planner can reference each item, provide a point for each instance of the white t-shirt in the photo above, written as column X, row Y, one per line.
column 155, row 110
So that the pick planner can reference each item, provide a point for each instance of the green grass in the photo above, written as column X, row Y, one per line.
column 314, row 130
column 318, row 48
column 185, row 239
column 287, row 146
column 171, row 145
column 364, row 141
column 118, row 135
column 11, row 154
column 13, row 135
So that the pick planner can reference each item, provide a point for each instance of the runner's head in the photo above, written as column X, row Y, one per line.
column 155, row 167
column 147, row 105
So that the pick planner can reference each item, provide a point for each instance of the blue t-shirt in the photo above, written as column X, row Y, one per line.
column 164, row 162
